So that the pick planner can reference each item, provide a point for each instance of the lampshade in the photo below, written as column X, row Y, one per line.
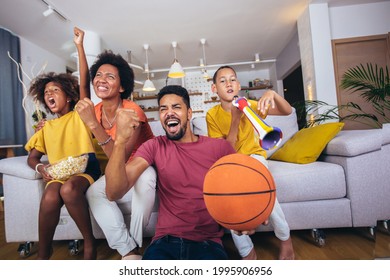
column 148, row 85
column 176, row 71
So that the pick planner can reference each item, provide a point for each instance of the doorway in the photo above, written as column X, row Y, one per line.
column 294, row 94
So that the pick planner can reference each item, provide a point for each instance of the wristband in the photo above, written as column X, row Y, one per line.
column 105, row 142
column 36, row 167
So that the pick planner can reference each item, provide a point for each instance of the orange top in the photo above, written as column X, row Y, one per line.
column 146, row 131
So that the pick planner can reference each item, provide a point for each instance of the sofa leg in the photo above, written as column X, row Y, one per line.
column 74, row 247
column 24, row 249
column 384, row 226
column 318, row 236
column 368, row 232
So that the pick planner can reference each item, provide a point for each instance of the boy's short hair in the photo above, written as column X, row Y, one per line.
column 126, row 74
column 220, row 68
column 175, row 89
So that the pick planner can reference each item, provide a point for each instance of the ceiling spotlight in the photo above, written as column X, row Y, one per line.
column 48, row 12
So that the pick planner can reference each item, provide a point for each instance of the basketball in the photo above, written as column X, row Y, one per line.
column 239, row 192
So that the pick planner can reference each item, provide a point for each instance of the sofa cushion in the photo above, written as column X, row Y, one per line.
column 304, row 182
column 157, row 128
column 351, row 143
column 199, row 125
column 386, row 134
column 307, row 144
column 288, row 125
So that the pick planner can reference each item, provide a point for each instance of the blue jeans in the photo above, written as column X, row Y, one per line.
column 175, row 248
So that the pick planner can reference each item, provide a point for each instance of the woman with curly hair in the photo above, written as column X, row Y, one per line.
column 113, row 82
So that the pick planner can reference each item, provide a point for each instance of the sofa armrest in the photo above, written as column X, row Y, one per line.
column 17, row 166
column 359, row 153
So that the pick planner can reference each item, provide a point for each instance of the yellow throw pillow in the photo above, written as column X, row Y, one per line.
column 308, row 143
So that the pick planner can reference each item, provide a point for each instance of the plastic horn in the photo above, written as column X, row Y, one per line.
column 270, row 137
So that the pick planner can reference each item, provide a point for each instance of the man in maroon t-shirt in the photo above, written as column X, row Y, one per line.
column 185, row 229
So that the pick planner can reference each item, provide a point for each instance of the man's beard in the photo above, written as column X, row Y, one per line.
column 178, row 135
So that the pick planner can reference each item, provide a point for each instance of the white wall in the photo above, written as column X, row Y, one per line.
column 289, row 58
column 317, row 26
column 360, row 20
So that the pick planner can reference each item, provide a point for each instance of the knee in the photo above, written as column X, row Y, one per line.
column 97, row 189
column 50, row 199
column 69, row 192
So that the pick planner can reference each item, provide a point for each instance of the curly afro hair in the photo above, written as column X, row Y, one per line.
column 126, row 74
column 67, row 82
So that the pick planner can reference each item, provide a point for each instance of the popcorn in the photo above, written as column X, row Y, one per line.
column 65, row 168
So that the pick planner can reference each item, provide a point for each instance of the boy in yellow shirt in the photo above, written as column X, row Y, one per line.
column 228, row 122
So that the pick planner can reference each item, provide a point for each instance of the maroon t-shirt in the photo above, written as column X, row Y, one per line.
column 181, row 168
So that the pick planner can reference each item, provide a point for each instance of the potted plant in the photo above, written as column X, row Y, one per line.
column 372, row 83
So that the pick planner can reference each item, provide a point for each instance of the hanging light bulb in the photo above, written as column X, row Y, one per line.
column 148, row 85
column 257, row 57
column 201, row 63
column 176, row 71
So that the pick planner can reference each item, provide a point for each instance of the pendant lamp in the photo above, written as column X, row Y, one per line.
column 148, row 85
column 203, row 62
column 176, row 71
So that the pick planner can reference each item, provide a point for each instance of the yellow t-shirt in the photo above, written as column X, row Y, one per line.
column 62, row 137
column 218, row 126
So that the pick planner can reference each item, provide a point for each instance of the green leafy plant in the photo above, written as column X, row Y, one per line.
column 318, row 112
column 372, row 83
column 38, row 115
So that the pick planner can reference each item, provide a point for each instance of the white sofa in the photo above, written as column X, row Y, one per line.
column 347, row 187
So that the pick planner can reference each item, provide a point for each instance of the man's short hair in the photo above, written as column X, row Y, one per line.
column 175, row 89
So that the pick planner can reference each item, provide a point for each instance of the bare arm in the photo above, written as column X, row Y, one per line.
column 274, row 103
column 78, row 39
column 86, row 110
column 121, row 177
column 234, row 125
column 33, row 159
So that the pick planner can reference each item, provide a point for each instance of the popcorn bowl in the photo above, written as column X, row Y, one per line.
column 66, row 167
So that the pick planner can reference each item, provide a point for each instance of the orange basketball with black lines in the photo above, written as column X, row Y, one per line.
column 239, row 192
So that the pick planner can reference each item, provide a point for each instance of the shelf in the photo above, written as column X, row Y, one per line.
column 149, row 97
column 256, row 88
column 145, row 97
column 150, row 110
column 211, row 101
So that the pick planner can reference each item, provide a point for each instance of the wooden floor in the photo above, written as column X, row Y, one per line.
column 340, row 244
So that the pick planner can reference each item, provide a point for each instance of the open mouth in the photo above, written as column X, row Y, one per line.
column 51, row 102
column 172, row 125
